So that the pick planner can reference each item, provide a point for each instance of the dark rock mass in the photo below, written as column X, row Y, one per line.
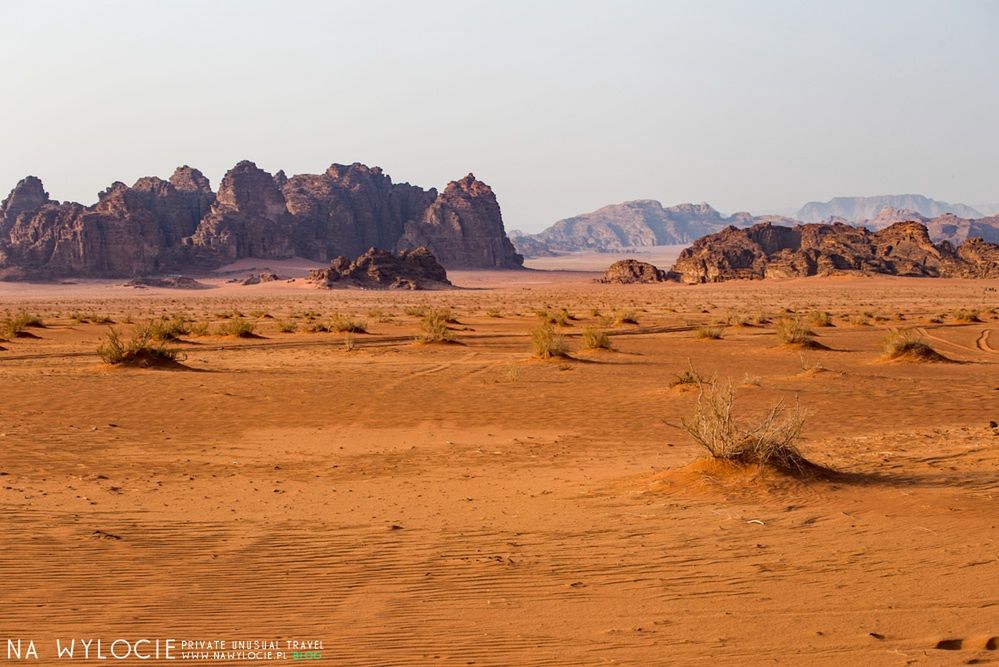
column 463, row 227
column 158, row 226
column 628, row 271
column 766, row 250
column 415, row 268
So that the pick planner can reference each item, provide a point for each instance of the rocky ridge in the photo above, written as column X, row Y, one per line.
column 156, row 226
column 766, row 251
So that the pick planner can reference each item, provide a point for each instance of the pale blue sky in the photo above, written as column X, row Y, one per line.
column 561, row 106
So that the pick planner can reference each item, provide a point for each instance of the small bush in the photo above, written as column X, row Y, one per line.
column 772, row 442
column 907, row 344
column 199, row 328
column 965, row 315
column 548, row 343
column 688, row 377
column 287, row 326
column 237, row 327
column 708, row 333
column 626, row 317
column 433, row 324
column 821, row 318
column 559, row 317
column 417, row 311
column 343, row 324
column 140, row 350
column 596, row 339
column 164, row 330
column 791, row 331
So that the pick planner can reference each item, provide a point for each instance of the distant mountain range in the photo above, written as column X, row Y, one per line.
column 858, row 209
column 646, row 222
column 643, row 222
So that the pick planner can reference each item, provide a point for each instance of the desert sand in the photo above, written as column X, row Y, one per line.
column 466, row 503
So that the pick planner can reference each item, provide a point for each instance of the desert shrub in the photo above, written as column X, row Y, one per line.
column 417, row 311
column 493, row 312
column 343, row 323
column 164, row 330
column 688, row 377
column 709, row 332
column 199, row 328
column 434, row 326
column 237, row 327
column 101, row 319
column 627, row 316
column 595, row 339
column 287, row 326
column 771, row 442
column 791, row 331
column 966, row 315
column 141, row 349
column 907, row 344
column 821, row 318
column 548, row 343
column 349, row 345
column 557, row 316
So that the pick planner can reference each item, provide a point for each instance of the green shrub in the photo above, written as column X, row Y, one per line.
column 238, row 327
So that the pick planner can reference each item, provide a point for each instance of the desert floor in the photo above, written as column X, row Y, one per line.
column 465, row 503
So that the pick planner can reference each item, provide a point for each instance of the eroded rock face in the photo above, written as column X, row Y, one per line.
column 767, row 250
column 415, row 268
column 179, row 225
column 463, row 227
column 628, row 271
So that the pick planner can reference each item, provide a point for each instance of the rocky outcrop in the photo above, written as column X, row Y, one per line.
column 629, row 271
column 415, row 268
column 158, row 226
column 767, row 250
column 859, row 209
column 463, row 227
column 643, row 222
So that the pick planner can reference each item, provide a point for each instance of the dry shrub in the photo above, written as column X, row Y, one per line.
column 342, row 323
column 626, row 317
column 771, row 443
column 596, row 339
column 791, row 331
column 709, row 332
column 559, row 316
column 821, row 318
column 907, row 344
column 433, row 324
column 548, row 343
column 140, row 350
column 966, row 315
column 238, row 327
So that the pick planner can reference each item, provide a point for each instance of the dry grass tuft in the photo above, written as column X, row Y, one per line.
column 141, row 350
column 548, row 343
column 709, row 333
column 907, row 345
column 596, row 339
column 433, row 324
column 771, row 443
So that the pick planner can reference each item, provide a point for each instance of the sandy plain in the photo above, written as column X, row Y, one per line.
column 465, row 504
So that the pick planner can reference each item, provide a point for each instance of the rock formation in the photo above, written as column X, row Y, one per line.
column 766, row 250
column 643, row 222
column 464, row 228
column 409, row 269
column 158, row 226
column 628, row 271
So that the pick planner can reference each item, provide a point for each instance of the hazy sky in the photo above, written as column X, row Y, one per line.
column 561, row 106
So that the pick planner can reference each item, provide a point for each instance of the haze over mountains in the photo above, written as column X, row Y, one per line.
column 858, row 209
column 646, row 222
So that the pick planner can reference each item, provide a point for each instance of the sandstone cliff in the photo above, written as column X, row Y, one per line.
column 158, row 226
column 859, row 209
